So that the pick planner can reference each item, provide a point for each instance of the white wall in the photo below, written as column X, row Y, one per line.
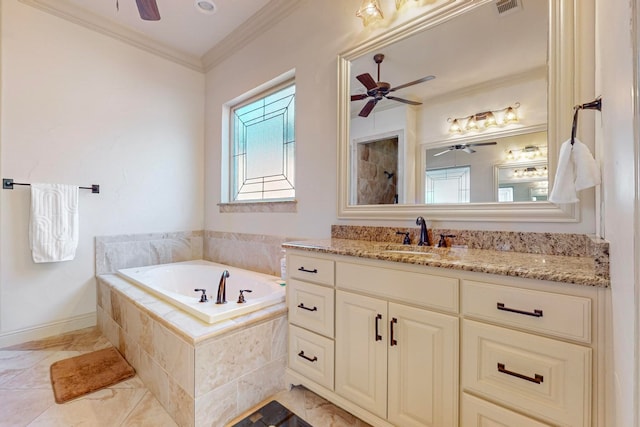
column 309, row 41
column 82, row 108
column 615, row 82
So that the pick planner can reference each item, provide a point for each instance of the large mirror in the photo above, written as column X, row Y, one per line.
column 468, row 123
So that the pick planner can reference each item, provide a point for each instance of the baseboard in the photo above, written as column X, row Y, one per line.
column 48, row 330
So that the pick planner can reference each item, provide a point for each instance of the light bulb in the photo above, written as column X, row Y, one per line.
column 455, row 127
column 471, row 123
column 369, row 12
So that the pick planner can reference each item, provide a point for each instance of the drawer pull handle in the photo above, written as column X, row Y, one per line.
column 536, row 379
column 314, row 271
column 393, row 340
column 301, row 354
column 301, row 305
column 536, row 313
column 378, row 336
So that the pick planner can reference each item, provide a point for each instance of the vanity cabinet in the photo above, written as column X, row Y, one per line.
column 399, row 344
column 396, row 361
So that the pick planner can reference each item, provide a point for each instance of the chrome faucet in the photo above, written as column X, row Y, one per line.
column 424, row 234
column 222, row 288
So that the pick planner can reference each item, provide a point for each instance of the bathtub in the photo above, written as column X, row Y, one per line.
column 175, row 283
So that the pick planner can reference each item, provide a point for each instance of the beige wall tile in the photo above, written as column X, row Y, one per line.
column 218, row 406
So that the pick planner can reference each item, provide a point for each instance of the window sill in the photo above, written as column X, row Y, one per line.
column 283, row 206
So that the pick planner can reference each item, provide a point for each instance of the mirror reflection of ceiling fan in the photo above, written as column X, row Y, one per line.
column 464, row 147
column 379, row 90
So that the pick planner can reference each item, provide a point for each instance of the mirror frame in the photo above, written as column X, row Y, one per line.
column 560, row 101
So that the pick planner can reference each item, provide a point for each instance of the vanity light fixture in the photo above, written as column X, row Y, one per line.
column 369, row 12
column 205, row 6
column 529, row 152
column 484, row 120
column 530, row 172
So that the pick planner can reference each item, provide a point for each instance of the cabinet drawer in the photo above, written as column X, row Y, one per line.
column 480, row 413
column 553, row 314
column 311, row 307
column 312, row 269
column 422, row 289
column 546, row 378
column 311, row 355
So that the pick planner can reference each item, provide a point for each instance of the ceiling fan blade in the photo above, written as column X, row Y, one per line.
column 468, row 149
column 478, row 144
column 406, row 101
column 148, row 10
column 443, row 152
column 367, row 108
column 359, row 97
column 422, row 80
column 367, row 81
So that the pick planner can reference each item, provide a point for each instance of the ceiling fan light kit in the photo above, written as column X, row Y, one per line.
column 207, row 7
column 484, row 120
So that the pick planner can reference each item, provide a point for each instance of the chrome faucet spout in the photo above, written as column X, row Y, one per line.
column 222, row 288
column 424, row 233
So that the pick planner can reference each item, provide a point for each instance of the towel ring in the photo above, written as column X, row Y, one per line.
column 593, row 105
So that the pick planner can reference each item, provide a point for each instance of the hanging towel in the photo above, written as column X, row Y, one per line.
column 53, row 230
column 577, row 170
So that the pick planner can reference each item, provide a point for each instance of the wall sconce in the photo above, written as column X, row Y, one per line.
column 369, row 12
column 484, row 120
column 527, row 153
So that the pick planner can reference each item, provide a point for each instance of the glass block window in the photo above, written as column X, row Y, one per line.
column 448, row 185
column 263, row 142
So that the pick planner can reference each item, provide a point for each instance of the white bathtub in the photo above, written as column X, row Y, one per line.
column 175, row 283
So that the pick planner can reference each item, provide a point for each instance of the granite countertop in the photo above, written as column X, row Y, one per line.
column 557, row 268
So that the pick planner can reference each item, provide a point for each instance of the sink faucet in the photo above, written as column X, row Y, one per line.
column 424, row 234
column 222, row 288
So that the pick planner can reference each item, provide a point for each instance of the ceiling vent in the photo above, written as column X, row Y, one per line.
column 506, row 7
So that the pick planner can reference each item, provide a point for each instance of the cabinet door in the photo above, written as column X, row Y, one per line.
column 361, row 351
column 423, row 368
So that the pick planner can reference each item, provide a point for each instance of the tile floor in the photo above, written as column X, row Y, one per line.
column 27, row 397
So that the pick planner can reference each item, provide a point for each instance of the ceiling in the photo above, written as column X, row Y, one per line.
column 183, row 34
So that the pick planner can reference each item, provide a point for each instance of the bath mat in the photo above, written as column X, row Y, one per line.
column 89, row 372
column 273, row 414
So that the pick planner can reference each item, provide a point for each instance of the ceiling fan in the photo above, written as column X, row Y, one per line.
column 148, row 9
column 379, row 90
column 464, row 147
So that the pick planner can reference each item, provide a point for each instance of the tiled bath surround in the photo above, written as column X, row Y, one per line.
column 202, row 374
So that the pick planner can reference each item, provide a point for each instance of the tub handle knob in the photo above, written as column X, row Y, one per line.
column 203, row 297
column 241, row 296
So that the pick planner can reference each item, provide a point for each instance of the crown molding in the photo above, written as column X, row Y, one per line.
column 71, row 13
column 260, row 22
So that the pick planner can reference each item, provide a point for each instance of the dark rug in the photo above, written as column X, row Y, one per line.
column 273, row 414
column 89, row 372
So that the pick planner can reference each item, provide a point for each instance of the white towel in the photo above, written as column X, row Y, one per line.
column 53, row 231
column 577, row 170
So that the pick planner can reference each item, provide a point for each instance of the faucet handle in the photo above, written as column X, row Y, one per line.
column 241, row 299
column 406, row 240
column 203, row 297
column 443, row 240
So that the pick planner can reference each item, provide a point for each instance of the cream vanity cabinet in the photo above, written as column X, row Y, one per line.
column 398, row 344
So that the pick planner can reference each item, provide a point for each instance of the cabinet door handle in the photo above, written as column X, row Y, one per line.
column 301, row 305
column 393, row 341
column 535, row 313
column 301, row 354
column 314, row 271
column 536, row 379
column 378, row 336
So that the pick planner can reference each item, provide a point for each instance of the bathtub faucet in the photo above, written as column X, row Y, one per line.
column 222, row 288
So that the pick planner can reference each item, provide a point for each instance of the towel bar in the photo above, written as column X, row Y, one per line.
column 7, row 184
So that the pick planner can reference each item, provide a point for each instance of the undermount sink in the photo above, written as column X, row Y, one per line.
column 399, row 251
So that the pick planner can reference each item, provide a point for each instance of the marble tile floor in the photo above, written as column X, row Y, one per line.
column 27, row 397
